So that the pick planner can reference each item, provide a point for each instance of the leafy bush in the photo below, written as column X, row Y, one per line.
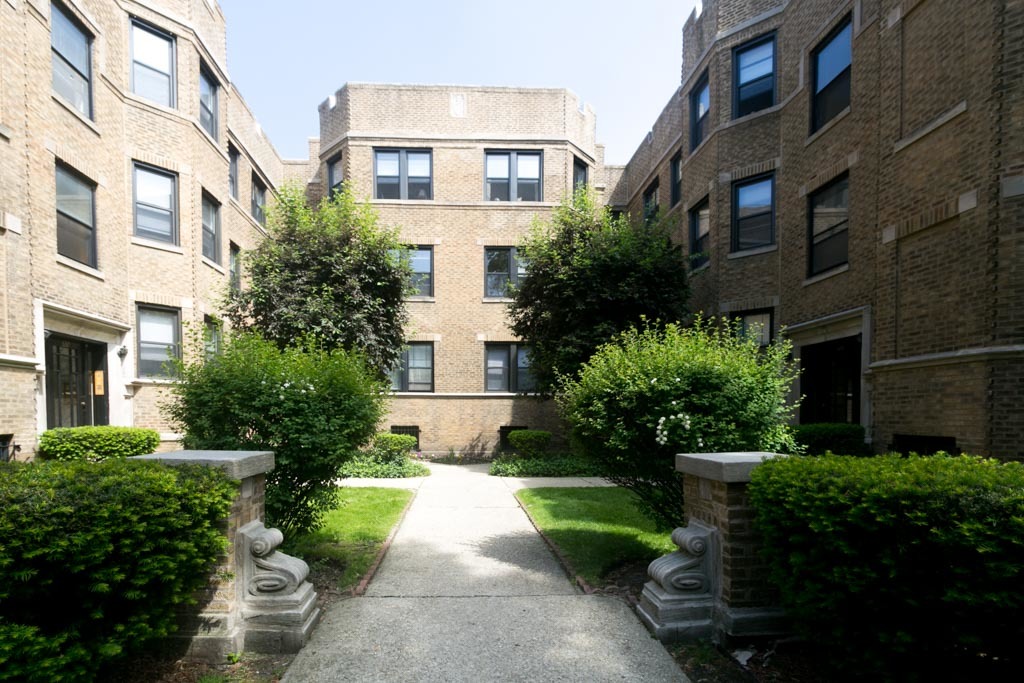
column 838, row 437
column 530, row 443
column 97, row 443
column 550, row 466
column 96, row 556
column 894, row 559
column 387, row 458
column 314, row 408
column 654, row 393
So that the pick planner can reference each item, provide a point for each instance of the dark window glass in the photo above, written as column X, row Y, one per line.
column 829, row 220
column 159, row 341
column 753, row 214
column 235, row 267
column 71, row 57
column 579, row 173
column 651, row 202
column 233, row 171
column 76, row 233
column 503, row 268
column 831, row 62
column 415, row 371
column 700, row 230
column 676, row 168
column 259, row 200
column 513, row 176
column 156, row 204
column 208, row 102
column 700, row 106
column 755, row 76
column 334, row 175
column 507, row 368
column 153, row 64
column 211, row 229
column 403, row 174
column 422, row 262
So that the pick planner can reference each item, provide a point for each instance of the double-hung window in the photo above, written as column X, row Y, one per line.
column 208, row 89
column 415, row 371
column 72, row 63
column 258, row 202
column 651, row 202
column 756, row 325
column 159, row 332
column 156, row 204
column 403, row 173
column 211, row 336
column 513, row 176
column 700, row 231
column 421, row 259
column 233, row 171
column 579, row 173
column 152, row 64
column 334, row 175
column 676, row 170
column 830, row 64
column 507, row 368
column 211, row 229
column 234, row 267
column 753, row 213
column 700, row 106
column 76, row 217
column 503, row 268
column 754, row 76
column 829, row 214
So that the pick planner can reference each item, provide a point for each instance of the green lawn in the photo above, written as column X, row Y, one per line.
column 352, row 534
column 598, row 529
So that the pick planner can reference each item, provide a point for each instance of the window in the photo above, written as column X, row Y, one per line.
column 508, row 368
column 503, row 268
column 676, row 169
column 334, row 176
column 153, row 64
column 513, row 176
column 72, row 63
column 233, row 171
column 754, row 76
column 156, row 204
column 700, row 230
column 829, row 215
column 403, row 174
column 259, row 200
column 415, row 372
column 211, row 229
column 700, row 105
column 422, row 261
column 756, row 325
column 579, row 173
column 651, row 202
column 208, row 102
column 830, row 62
column 753, row 213
column 234, row 267
column 211, row 336
column 76, row 217
column 159, row 340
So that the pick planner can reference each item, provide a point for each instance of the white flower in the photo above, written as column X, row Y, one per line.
column 654, row 380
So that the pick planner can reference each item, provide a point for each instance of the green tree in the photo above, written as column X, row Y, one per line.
column 329, row 271
column 592, row 276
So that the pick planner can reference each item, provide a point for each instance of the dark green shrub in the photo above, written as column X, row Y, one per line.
column 314, row 408
column 95, row 557
column 392, row 448
column 893, row 560
column 97, row 443
column 549, row 466
column 837, row 437
column 653, row 394
column 388, row 457
column 530, row 443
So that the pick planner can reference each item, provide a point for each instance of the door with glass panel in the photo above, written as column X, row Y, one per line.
column 76, row 382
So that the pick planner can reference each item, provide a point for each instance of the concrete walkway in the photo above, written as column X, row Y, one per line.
column 469, row 591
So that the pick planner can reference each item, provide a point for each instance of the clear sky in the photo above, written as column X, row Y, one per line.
column 623, row 57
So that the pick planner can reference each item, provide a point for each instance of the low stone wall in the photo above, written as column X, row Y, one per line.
column 258, row 599
column 715, row 586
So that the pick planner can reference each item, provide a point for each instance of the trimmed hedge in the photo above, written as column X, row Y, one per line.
column 95, row 557
column 838, row 437
column 549, row 466
column 888, row 561
column 388, row 457
column 97, row 443
column 530, row 443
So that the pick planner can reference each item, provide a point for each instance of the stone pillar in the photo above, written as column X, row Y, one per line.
column 715, row 586
column 257, row 599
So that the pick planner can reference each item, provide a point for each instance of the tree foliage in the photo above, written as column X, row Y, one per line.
column 328, row 271
column 592, row 276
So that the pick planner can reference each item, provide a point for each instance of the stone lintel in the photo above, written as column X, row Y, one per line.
column 236, row 464
column 730, row 468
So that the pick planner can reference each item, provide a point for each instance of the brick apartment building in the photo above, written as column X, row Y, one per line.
column 851, row 170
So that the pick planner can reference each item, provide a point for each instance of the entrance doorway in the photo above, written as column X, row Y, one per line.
column 830, row 381
column 76, row 382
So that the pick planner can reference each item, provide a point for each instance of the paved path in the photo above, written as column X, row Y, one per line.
column 469, row 591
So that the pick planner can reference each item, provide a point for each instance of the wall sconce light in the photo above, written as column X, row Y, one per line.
column 122, row 352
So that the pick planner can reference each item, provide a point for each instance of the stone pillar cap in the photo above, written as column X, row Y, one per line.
column 730, row 468
column 236, row 464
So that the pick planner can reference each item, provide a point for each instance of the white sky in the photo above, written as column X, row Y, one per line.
column 621, row 57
